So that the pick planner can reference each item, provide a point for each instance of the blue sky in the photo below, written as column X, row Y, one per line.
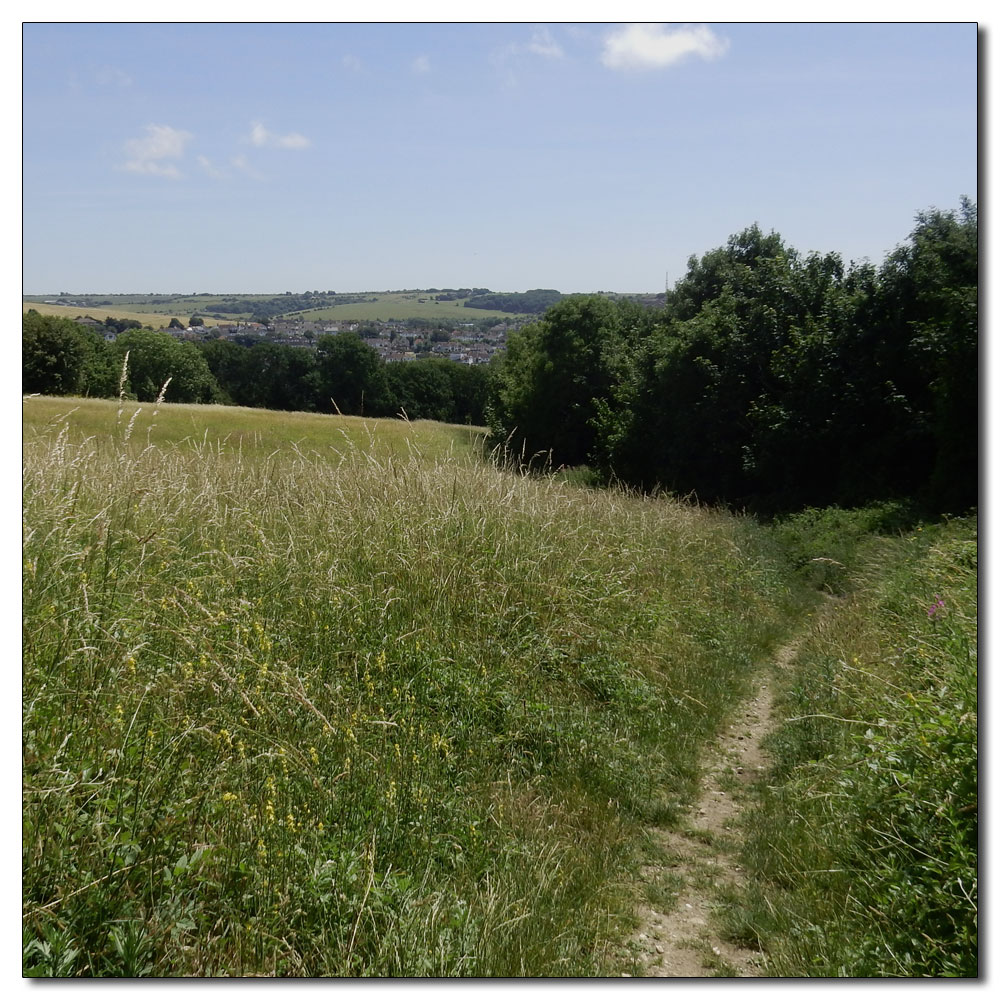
column 264, row 158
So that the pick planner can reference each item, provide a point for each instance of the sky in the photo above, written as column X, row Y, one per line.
column 234, row 157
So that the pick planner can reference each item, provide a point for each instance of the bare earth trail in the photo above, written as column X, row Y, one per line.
column 679, row 937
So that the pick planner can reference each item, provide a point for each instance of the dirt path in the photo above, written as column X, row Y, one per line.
column 678, row 933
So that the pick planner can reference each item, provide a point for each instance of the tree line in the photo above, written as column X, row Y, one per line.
column 769, row 380
column 342, row 374
column 535, row 300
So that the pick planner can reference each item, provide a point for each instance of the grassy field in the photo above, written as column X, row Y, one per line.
column 387, row 306
column 320, row 696
column 398, row 306
column 863, row 847
column 157, row 320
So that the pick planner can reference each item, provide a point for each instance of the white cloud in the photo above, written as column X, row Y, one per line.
column 111, row 76
column 543, row 44
column 260, row 136
column 352, row 63
column 210, row 168
column 243, row 165
column 656, row 46
column 421, row 65
column 152, row 153
column 510, row 57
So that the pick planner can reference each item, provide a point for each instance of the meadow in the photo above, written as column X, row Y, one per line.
column 863, row 844
column 155, row 319
column 384, row 306
column 322, row 696
column 400, row 306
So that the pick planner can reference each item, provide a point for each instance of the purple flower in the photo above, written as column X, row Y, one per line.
column 936, row 608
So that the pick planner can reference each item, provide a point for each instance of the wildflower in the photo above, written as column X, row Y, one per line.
column 936, row 608
column 229, row 797
column 314, row 756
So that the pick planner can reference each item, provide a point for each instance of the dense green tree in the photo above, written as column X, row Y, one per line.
column 120, row 325
column 278, row 377
column 155, row 356
column 351, row 376
column 930, row 286
column 422, row 389
column 546, row 391
column 60, row 357
column 777, row 381
column 225, row 361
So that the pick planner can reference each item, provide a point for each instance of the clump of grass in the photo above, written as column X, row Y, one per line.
column 864, row 844
column 822, row 543
column 343, row 709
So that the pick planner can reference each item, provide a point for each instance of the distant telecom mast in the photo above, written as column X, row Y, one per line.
column 666, row 282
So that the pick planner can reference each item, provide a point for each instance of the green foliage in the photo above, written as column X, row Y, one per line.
column 156, row 356
column 864, row 848
column 548, row 387
column 535, row 300
column 60, row 357
column 437, row 389
column 351, row 376
column 822, row 543
column 770, row 380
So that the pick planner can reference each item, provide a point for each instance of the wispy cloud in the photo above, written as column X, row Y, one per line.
column 421, row 65
column 239, row 163
column 543, row 44
column 657, row 46
column 210, row 168
column 245, row 167
column 112, row 76
column 508, row 58
column 260, row 136
column 352, row 63
column 154, row 152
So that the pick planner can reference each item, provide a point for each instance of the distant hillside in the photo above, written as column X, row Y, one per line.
column 535, row 300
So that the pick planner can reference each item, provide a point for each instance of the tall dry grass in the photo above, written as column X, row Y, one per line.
column 322, row 707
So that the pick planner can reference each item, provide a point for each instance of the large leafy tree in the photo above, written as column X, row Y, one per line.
column 930, row 304
column 547, row 391
column 278, row 377
column 155, row 356
column 778, row 381
column 60, row 357
column 422, row 389
column 351, row 376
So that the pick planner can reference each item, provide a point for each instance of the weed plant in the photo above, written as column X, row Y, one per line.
column 864, row 846
column 302, row 702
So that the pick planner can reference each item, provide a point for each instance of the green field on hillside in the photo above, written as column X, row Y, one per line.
column 320, row 696
column 157, row 320
column 398, row 306
column 386, row 306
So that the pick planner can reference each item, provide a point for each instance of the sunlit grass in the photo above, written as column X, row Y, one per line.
column 308, row 696
column 864, row 846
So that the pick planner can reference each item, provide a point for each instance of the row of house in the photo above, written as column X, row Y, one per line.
column 395, row 341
